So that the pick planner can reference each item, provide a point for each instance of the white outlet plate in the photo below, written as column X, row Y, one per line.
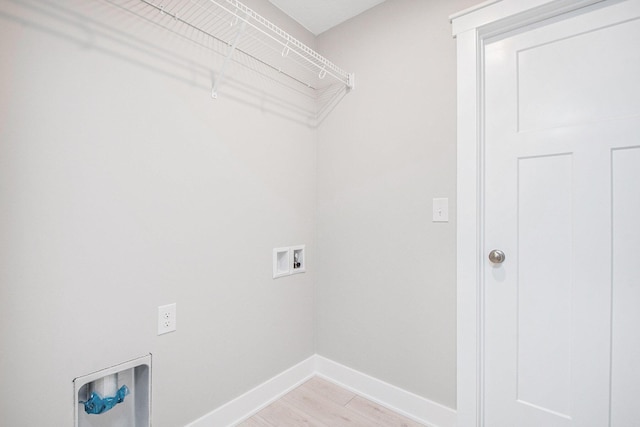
column 166, row 318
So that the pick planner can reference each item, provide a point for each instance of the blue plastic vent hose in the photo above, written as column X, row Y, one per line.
column 99, row 405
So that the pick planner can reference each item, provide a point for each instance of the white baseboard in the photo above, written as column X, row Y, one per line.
column 244, row 406
column 401, row 401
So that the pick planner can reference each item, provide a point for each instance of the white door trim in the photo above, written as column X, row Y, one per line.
column 472, row 28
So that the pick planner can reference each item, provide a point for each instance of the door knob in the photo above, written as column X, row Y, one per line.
column 496, row 256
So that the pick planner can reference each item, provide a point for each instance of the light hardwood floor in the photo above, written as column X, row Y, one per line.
column 320, row 403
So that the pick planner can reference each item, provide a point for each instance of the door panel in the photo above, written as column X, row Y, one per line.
column 566, row 95
column 625, row 381
column 562, row 118
column 545, row 212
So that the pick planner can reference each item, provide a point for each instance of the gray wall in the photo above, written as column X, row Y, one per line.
column 385, row 292
column 124, row 186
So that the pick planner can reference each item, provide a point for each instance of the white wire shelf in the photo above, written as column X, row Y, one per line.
column 243, row 30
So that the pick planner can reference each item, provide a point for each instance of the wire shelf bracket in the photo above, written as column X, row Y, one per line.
column 232, row 48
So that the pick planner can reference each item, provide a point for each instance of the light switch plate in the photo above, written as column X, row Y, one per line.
column 441, row 210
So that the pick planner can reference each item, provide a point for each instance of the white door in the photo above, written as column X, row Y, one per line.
column 562, row 201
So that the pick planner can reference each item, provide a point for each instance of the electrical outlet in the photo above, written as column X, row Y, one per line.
column 166, row 318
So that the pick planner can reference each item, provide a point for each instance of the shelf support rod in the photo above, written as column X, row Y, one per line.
column 234, row 45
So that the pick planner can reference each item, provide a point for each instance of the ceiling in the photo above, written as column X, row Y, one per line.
column 318, row 16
